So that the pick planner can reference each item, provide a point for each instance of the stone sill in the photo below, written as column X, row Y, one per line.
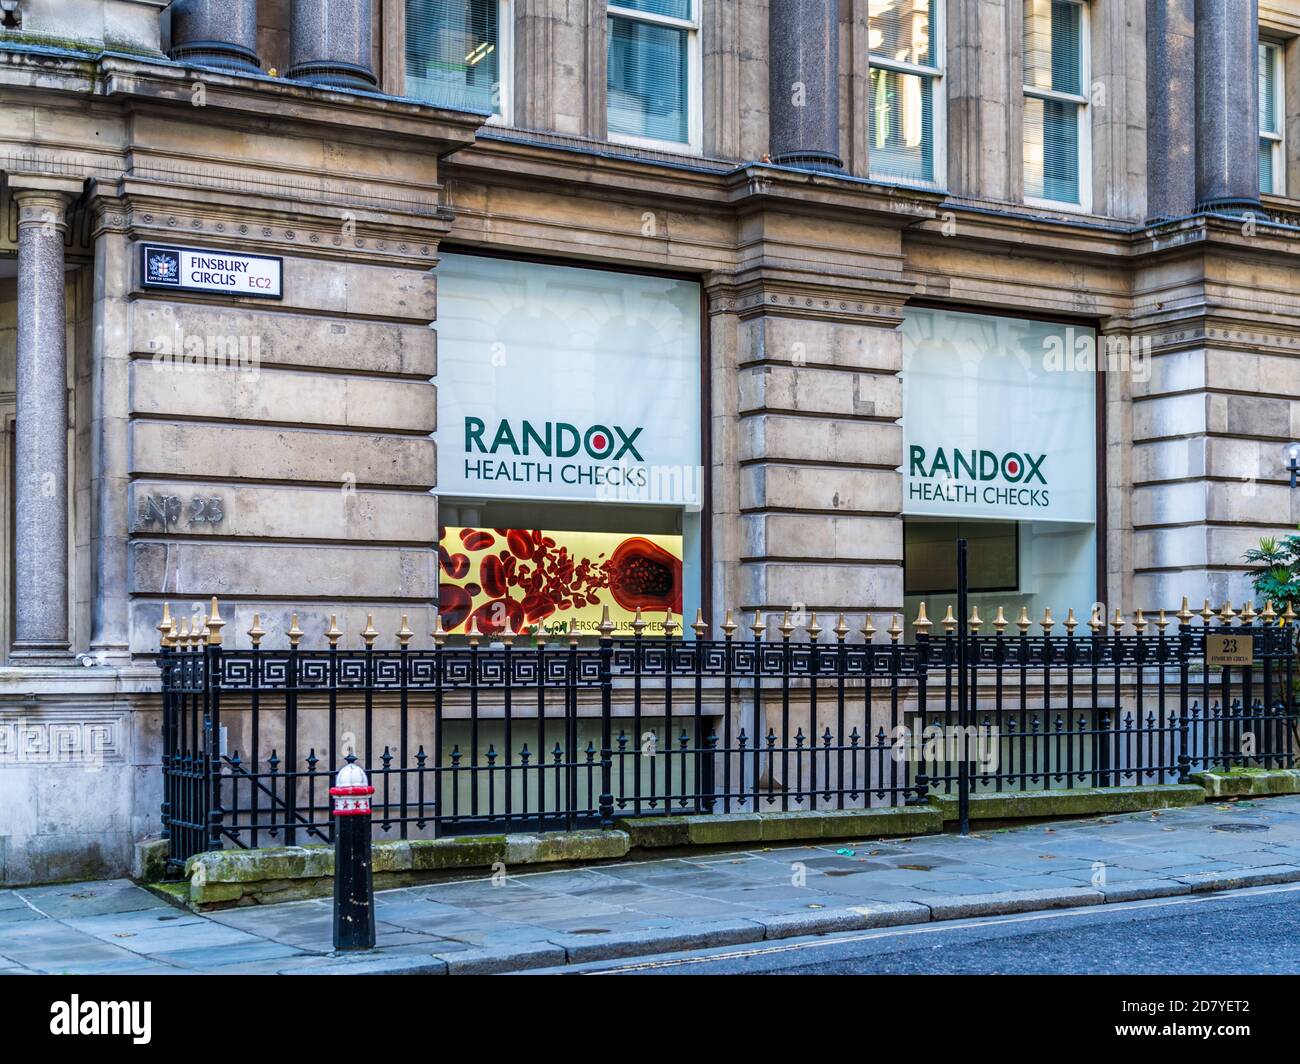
column 1081, row 801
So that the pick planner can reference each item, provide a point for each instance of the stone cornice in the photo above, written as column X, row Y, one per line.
column 137, row 83
column 156, row 211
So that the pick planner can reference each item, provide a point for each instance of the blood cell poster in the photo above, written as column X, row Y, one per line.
column 538, row 579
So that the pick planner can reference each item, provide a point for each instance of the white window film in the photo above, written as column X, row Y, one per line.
column 906, row 109
column 1056, row 121
column 653, row 73
column 1272, row 169
column 1000, row 448
column 458, row 54
column 569, row 445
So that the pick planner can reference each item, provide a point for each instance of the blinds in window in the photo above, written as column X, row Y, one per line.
column 453, row 53
column 901, row 30
column 1053, row 46
column 1270, row 120
column 648, row 77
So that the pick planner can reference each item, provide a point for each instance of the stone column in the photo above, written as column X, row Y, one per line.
column 41, row 452
column 1171, row 109
column 215, row 33
column 330, row 43
column 1227, row 105
column 805, row 69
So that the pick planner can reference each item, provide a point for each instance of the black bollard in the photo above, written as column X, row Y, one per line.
column 354, row 891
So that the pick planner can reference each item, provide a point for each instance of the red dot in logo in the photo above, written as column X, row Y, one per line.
column 598, row 442
column 1013, row 467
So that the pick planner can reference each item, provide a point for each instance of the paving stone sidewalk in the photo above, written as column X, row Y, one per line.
column 541, row 919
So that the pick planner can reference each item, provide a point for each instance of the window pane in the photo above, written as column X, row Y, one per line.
column 1268, row 117
column 453, row 53
column 902, row 126
column 648, row 90
column 1267, row 174
column 1053, row 45
column 1051, row 150
column 671, row 8
column 900, row 30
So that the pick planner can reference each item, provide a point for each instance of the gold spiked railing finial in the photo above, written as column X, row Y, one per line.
column 1047, row 623
column 1071, row 623
column 370, row 633
column 404, row 634
column 1288, row 616
column 922, row 624
column 165, row 626
column 868, row 629
column 574, row 635
column 334, row 633
column 1140, row 621
column 841, row 628
column 1023, row 622
column 1268, row 615
column 813, row 629
column 215, row 624
column 1248, row 613
column 1227, row 615
column 758, row 627
column 183, row 635
column 508, row 633
column 670, row 625
column 1184, row 614
column 785, row 627
column 1096, row 622
column 699, row 626
column 1118, row 622
column 256, row 632
column 606, row 623
column 1162, row 622
column 294, row 633
column 639, row 623
column 439, row 633
column 1000, row 621
column 975, row 622
column 475, row 636
column 1207, row 614
column 728, row 625
column 948, row 621
column 895, row 629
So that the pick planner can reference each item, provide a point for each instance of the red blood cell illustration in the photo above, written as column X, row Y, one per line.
column 453, row 606
column 645, row 576
column 476, row 539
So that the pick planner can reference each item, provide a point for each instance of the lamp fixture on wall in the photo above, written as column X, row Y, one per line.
column 1291, row 456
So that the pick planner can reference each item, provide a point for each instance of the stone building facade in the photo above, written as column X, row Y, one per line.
column 844, row 185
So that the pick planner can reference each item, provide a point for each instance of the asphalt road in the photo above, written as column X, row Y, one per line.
column 1254, row 931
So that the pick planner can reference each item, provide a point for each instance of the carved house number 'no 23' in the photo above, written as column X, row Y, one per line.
column 165, row 510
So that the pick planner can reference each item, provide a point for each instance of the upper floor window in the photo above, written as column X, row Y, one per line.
column 1056, row 133
column 653, row 73
column 1272, row 167
column 905, row 140
column 457, row 54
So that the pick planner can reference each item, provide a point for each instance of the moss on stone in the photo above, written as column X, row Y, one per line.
column 1077, row 802
column 717, row 829
column 1237, row 782
column 656, row 832
column 471, row 851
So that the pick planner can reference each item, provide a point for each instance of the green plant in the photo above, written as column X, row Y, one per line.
column 1275, row 572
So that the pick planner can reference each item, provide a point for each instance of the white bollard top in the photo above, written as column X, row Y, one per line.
column 351, row 791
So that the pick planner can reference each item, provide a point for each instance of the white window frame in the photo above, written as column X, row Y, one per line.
column 694, row 102
column 1278, row 139
column 505, row 62
column 938, row 104
column 1084, row 206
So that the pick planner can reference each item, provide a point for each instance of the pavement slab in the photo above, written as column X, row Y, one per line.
column 486, row 924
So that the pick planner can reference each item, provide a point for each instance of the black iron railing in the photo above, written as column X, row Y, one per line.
column 507, row 737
